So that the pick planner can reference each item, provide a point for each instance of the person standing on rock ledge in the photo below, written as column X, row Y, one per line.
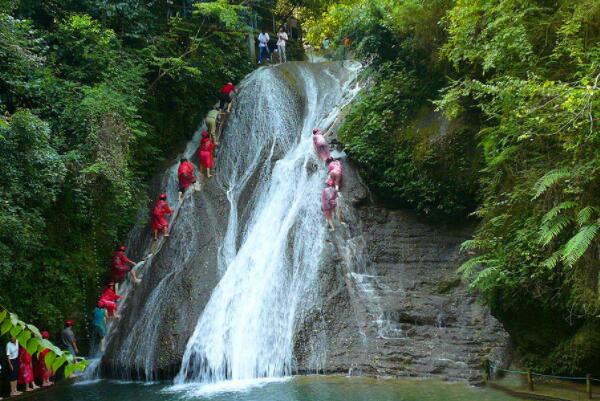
column 205, row 153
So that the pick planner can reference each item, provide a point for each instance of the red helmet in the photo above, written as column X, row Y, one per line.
column 122, row 248
column 163, row 197
column 315, row 131
column 330, row 182
column 69, row 323
column 204, row 134
column 45, row 335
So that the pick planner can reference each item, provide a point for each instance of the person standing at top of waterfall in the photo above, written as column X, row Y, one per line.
column 121, row 265
column 329, row 202
column 334, row 169
column 186, row 175
column 321, row 145
column 225, row 96
column 211, row 122
column 12, row 354
column 43, row 372
column 109, row 299
column 159, row 222
column 67, row 338
column 26, row 377
column 282, row 39
column 263, row 46
column 205, row 154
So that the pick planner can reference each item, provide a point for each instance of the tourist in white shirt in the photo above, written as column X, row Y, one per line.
column 12, row 353
column 282, row 39
column 263, row 46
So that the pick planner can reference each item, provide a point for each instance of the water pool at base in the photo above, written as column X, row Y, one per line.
column 306, row 388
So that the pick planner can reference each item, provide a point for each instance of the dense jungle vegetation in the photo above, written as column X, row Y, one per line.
column 489, row 111
column 476, row 111
column 95, row 95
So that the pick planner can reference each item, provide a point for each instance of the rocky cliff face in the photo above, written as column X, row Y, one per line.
column 392, row 302
column 388, row 300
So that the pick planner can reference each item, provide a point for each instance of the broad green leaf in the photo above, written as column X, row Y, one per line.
column 5, row 327
column 3, row 314
column 23, row 337
column 34, row 330
column 49, row 358
column 32, row 345
column 15, row 330
column 58, row 362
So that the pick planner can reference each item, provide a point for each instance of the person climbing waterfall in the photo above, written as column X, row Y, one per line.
column 120, row 268
column 109, row 298
column 12, row 355
column 334, row 169
column 321, row 145
column 263, row 46
column 205, row 153
column 329, row 202
column 99, row 320
column 43, row 372
column 26, row 377
column 68, row 338
column 282, row 39
column 186, row 175
column 211, row 123
column 225, row 96
column 159, row 222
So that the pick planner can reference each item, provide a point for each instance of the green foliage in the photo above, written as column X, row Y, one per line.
column 97, row 95
column 522, row 79
column 30, row 338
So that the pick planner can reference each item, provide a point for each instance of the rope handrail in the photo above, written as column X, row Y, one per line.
column 521, row 372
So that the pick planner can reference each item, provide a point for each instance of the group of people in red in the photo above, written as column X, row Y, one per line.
column 121, row 265
column 330, row 194
column 24, row 370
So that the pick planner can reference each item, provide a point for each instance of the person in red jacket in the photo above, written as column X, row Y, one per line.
column 321, row 145
column 42, row 371
column 186, row 176
column 26, row 370
column 334, row 169
column 225, row 96
column 109, row 299
column 205, row 153
column 329, row 202
column 159, row 222
column 121, row 265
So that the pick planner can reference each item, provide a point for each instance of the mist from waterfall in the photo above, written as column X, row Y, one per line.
column 272, row 248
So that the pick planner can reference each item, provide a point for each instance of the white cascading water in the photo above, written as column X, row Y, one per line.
column 272, row 249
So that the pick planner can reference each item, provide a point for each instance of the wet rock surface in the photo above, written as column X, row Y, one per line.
column 392, row 302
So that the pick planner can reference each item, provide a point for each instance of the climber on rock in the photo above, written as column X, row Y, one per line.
column 205, row 153
column 159, row 222
column 121, row 265
column 212, row 119
column 225, row 96
column 334, row 169
column 321, row 145
column 109, row 299
column 186, row 176
column 329, row 202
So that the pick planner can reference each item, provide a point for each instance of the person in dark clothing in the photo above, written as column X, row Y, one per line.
column 68, row 338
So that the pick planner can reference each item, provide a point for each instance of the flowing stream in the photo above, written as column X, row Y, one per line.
column 270, row 257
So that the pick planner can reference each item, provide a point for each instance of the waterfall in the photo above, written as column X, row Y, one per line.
column 271, row 251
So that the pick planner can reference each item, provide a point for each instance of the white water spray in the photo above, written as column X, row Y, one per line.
column 273, row 182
